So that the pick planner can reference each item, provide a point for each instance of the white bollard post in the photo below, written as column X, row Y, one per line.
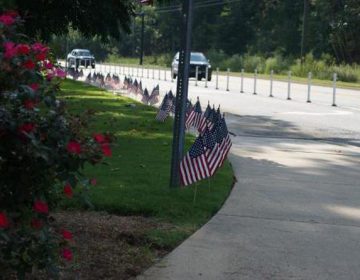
column 334, row 90
column 165, row 74
column 227, row 79
column 171, row 74
column 242, row 81
column 217, row 78
column 206, row 76
column 309, row 87
column 255, row 80
column 196, row 75
column 271, row 83
column 289, row 86
column 159, row 74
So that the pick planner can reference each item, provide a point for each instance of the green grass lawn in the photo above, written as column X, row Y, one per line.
column 135, row 180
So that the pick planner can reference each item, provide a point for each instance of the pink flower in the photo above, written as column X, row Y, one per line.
column 39, row 48
column 23, row 49
column 41, row 207
column 68, row 190
column 66, row 234
column 4, row 223
column 36, row 223
column 10, row 50
column 106, row 150
column 93, row 182
column 100, row 138
column 29, row 64
column 73, row 147
column 34, row 86
column 67, row 254
column 48, row 65
column 40, row 56
column 26, row 128
column 29, row 104
column 6, row 19
column 60, row 73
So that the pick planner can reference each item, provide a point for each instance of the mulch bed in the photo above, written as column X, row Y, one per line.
column 109, row 246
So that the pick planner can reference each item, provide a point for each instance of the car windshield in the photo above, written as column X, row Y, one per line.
column 198, row 57
column 84, row 53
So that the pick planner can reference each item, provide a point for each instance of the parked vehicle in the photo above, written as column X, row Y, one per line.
column 197, row 59
column 80, row 57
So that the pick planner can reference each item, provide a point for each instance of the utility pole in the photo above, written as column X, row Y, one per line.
column 303, row 33
column 181, row 93
column 142, row 14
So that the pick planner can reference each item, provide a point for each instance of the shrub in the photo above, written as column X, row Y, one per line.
column 252, row 62
column 278, row 63
column 347, row 73
column 42, row 150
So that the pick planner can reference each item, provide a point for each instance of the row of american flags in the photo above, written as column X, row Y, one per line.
column 212, row 144
column 132, row 86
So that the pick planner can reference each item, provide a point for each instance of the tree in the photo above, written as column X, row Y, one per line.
column 104, row 18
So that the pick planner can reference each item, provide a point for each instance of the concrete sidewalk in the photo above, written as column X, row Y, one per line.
column 293, row 214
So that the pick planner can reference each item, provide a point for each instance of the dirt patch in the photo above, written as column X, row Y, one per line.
column 109, row 246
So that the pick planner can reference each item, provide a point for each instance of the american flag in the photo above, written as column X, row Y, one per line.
column 213, row 152
column 172, row 98
column 154, row 96
column 145, row 98
column 139, row 89
column 164, row 109
column 193, row 166
column 204, row 119
column 134, row 86
column 223, row 139
column 198, row 115
column 189, row 115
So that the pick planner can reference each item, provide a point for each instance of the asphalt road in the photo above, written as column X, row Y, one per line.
column 317, row 119
column 295, row 211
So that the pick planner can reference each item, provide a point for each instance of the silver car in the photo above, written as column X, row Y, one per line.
column 80, row 57
column 197, row 59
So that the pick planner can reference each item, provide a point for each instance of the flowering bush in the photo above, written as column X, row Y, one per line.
column 42, row 150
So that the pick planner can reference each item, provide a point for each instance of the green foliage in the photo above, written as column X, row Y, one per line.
column 42, row 150
column 324, row 69
column 53, row 17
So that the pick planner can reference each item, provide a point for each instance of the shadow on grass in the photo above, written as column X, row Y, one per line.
column 136, row 178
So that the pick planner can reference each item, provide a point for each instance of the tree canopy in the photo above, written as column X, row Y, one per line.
column 105, row 18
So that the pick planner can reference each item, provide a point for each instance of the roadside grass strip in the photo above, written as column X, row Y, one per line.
column 135, row 180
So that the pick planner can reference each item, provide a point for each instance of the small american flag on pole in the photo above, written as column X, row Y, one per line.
column 164, row 109
column 198, row 115
column 154, row 96
column 223, row 139
column 213, row 152
column 193, row 166
column 145, row 98
column 205, row 116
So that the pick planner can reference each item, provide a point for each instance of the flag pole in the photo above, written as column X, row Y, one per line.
column 195, row 192
column 181, row 94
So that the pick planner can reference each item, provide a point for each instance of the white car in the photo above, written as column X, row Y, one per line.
column 80, row 57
